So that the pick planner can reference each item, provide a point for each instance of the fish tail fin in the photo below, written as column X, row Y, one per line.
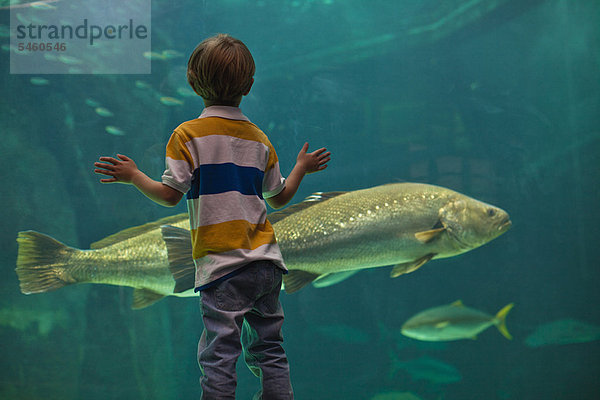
column 501, row 321
column 41, row 265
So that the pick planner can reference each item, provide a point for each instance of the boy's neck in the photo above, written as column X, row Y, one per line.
column 234, row 103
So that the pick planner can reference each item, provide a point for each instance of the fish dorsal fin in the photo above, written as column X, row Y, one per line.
column 457, row 303
column 311, row 200
column 296, row 279
column 407, row 267
column 179, row 252
column 144, row 298
column 137, row 230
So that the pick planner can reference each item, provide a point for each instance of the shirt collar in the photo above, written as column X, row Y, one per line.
column 226, row 112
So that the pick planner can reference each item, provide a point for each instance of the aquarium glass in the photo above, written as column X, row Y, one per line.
column 498, row 100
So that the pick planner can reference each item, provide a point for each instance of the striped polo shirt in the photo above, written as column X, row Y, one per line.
column 227, row 167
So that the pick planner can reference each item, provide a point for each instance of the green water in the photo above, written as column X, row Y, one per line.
column 497, row 99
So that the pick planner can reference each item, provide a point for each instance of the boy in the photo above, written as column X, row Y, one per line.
column 226, row 165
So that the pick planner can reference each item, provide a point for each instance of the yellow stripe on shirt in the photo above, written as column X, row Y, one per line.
column 230, row 235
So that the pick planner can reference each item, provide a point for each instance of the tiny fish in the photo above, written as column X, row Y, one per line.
column 185, row 92
column 33, row 4
column 170, row 101
column 151, row 55
column 91, row 102
column 142, row 85
column 42, row 5
column 37, row 81
column 103, row 112
column 113, row 130
column 69, row 60
column 166, row 54
column 453, row 322
column 50, row 57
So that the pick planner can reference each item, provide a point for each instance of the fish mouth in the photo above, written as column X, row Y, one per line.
column 505, row 224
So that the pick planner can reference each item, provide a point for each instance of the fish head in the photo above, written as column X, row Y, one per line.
column 473, row 223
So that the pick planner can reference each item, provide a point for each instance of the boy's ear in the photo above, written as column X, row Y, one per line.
column 249, row 87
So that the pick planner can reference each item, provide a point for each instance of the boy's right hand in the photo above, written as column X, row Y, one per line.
column 313, row 162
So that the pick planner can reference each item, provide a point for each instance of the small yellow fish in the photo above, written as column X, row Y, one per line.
column 103, row 112
column 170, row 101
column 453, row 322
column 113, row 130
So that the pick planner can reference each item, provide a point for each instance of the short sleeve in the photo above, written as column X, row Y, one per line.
column 179, row 165
column 273, row 182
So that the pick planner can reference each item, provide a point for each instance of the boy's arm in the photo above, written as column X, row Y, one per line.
column 306, row 163
column 125, row 171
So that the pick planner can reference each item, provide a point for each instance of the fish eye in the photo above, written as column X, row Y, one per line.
column 491, row 212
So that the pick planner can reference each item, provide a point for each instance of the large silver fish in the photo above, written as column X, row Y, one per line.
column 326, row 237
column 401, row 224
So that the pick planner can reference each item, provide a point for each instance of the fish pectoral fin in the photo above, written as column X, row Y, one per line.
column 408, row 267
column 179, row 251
column 428, row 236
column 333, row 278
column 144, row 298
column 296, row 279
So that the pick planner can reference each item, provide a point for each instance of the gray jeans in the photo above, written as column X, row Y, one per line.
column 244, row 312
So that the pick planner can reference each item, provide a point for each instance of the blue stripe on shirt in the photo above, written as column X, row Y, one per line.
column 227, row 177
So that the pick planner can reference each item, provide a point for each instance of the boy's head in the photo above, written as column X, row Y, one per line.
column 221, row 70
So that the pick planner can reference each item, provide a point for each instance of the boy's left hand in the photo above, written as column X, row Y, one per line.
column 121, row 171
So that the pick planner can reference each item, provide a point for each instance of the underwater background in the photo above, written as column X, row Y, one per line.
column 496, row 99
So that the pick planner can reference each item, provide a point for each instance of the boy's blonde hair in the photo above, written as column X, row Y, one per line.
column 220, row 69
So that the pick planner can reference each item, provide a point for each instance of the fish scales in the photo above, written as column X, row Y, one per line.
column 121, row 264
column 123, row 260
